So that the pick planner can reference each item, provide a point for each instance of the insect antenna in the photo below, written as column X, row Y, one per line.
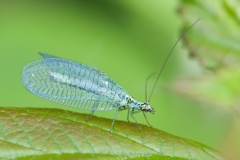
column 168, row 58
column 146, row 83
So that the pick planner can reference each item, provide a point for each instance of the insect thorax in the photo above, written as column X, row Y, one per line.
column 129, row 102
column 135, row 106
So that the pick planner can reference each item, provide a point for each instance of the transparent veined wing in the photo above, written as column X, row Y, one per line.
column 72, row 84
column 45, row 55
column 90, row 68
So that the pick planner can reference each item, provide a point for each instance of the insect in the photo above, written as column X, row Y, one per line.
column 82, row 86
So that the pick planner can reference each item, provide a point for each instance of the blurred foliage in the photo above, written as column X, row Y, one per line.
column 215, row 40
column 214, row 43
column 58, row 134
column 219, row 89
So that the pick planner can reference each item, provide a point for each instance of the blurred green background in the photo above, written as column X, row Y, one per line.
column 127, row 39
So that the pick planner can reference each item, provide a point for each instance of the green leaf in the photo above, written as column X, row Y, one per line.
column 28, row 133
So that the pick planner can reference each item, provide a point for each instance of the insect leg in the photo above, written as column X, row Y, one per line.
column 147, row 120
column 95, row 105
column 136, row 121
column 89, row 116
column 128, row 114
column 114, row 120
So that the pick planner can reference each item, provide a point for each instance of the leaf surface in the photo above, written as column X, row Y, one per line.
column 28, row 133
